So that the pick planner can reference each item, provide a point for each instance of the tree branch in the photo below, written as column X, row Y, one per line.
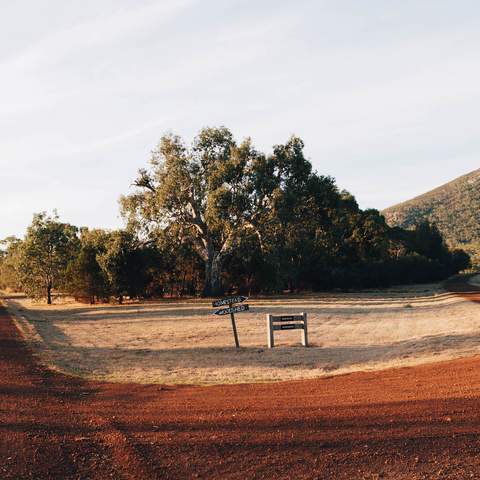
column 144, row 181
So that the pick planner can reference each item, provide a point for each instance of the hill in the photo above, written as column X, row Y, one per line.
column 453, row 207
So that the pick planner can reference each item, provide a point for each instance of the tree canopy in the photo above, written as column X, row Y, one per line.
column 233, row 205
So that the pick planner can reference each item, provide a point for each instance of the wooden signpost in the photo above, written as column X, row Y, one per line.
column 279, row 322
column 229, row 301
column 232, row 310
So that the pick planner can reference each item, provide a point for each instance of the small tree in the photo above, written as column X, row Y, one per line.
column 48, row 247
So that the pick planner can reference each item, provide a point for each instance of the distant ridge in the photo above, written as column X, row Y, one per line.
column 453, row 207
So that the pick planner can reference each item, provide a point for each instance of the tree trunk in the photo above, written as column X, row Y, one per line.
column 182, row 288
column 49, row 294
column 213, row 276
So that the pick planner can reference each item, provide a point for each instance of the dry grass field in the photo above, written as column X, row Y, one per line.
column 183, row 342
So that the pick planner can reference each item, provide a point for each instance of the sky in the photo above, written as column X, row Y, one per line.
column 385, row 94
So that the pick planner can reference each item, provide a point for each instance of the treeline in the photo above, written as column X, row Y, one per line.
column 217, row 217
column 91, row 265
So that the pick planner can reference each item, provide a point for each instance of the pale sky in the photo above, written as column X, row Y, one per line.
column 385, row 94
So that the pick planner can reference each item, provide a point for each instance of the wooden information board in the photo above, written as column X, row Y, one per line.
column 286, row 322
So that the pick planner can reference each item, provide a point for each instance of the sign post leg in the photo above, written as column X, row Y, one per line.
column 234, row 328
column 270, row 331
column 305, row 330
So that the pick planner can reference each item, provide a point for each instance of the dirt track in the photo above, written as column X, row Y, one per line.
column 409, row 423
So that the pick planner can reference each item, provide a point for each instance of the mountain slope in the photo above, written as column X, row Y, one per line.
column 454, row 207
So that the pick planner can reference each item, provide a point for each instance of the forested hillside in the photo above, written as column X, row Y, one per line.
column 453, row 207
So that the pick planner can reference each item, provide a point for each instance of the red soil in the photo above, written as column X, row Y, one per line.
column 409, row 423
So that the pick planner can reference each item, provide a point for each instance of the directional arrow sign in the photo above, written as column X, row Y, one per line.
column 229, row 301
column 236, row 309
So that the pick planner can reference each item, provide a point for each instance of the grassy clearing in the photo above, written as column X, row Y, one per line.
column 182, row 342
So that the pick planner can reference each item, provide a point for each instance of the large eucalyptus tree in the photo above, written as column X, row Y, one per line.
column 204, row 194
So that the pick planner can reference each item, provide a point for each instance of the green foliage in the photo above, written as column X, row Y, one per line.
column 9, row 264
column 176, row 268
column 114, row 264
column 124, row 264
column 85, row 279
column 48, row 247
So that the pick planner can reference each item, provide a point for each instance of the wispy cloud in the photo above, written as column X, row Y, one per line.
column 21, row 90
column 120, row 138
column 96, row 33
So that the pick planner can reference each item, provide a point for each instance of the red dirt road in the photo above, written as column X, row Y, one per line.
column 410, row 423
